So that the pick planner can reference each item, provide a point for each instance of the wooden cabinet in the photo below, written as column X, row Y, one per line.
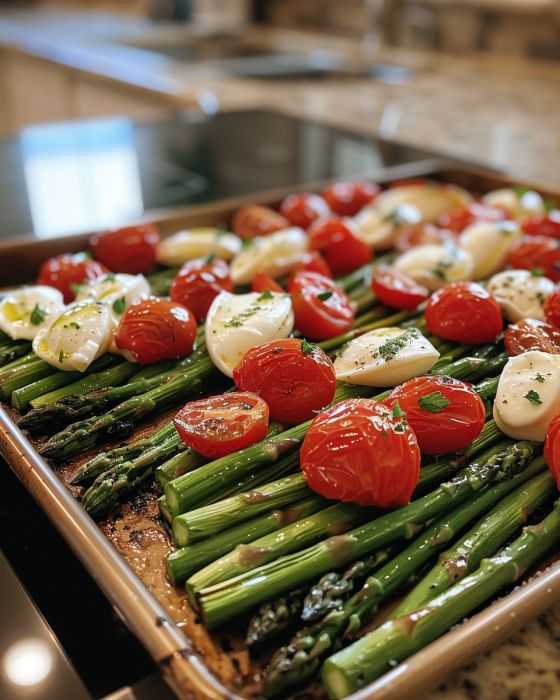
column 94, row 98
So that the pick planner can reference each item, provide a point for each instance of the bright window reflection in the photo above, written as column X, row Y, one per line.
column 28, row 662
column 80, row 178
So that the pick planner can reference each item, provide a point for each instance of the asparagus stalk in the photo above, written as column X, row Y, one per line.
column 186, row 561
column 364, row 661
column 7, row 370
column 183, row 462
column 220, row 602
column 275, row 617
column 23, row 375
column 12, row 351
column 160, row 282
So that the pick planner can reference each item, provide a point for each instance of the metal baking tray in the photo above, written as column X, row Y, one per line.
column 150, row 615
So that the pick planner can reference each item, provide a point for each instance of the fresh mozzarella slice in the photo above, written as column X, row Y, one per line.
column 238, row 322
column 197, row 243
column 489, row 244
column 23, row 312
column 436, row 265
column 275, row 255
column 521, row 293
column 77, row 337
column 378, row 230
column 431, row 199
column 528, row 395
column 118, row 291
column 519, row 205
column 385, row 357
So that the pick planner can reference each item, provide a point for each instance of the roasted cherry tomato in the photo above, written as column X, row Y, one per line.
column 155, row 330
column 314, row 262
column 322, row 310
column 548, row 225
column 531, row 334
column 347, row 198
column 397, row 290
column 421, row 234
column 198, row 283
column 552, row 449
column 220, row 425
column 303, row 208
column 341, row 248
column 294, row 377
column 358, row 451
column 255, row 220
column 66, row 272
column 538, row 253
column 459, row 218
column 445, row 414
column 464, row 312
column 552, row 309
column 132, row 249
column 262, row 282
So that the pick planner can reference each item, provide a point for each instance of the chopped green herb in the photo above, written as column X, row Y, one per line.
column 75, row 325
column 251, row 310
column 537, row 272
column 323, row 296
column 61, row 356
column 520, row 192
column 434, row 402
column 209, row 259
column 539, row 378
column 265, row 296
column 110, row 277
column 119, row 305
column 37, row 315
column 307, row 347
column 76, row 288
column 397, row 410
column 533, row 397
column 392, row 346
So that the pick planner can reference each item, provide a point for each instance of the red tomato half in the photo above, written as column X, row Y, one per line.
column 552, row 449
column 304, row 208
column 341, row 248
column 347, row 198
column 314, row 262
column 295, row 378
column 539, row 253
column 445, row 414
column 262, row 282
column 67, row 271
column 421, row 234
column 220, row 425
column 255, row 220
column 531, row 334
column 358, row 451
column 552, row 309
column 132, row 250
column 464, row 312
column 397, row 290
column 459, row 218
column 155, row 330
column 322, row 310
column 548, row 225
column 198, row 283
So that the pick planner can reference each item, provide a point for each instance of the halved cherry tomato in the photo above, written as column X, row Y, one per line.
column 220, row 425
column 459, row 218
column 321, row 309
column 198, row 283
column 66, row 272
column 397, row 290
column 552, row 309
column 132, row 249
column 303, row 208
column 464, row 312
column 155, row 330
column 539, row 253
column 547, row 225
column 294, row 377
column 552, row 449
column 531, row 334
column 262, row 282
column 421, row 234
column 255, row 220
column 445, row 414
column 358, row 451
column 314, row 262
column 347, row 198
column 341, row 248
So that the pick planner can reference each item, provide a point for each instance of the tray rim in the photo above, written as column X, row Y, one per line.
column 171, row 649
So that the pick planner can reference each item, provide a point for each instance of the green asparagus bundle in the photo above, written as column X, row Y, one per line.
column 181, row 463
column 365, row 660
column 12, row 351
column 275, row 617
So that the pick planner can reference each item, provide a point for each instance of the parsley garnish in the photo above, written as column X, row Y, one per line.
column 307, row 347
column 75, row 325
column 397, row 410
column 238, row 321
column 392, row 346
column 76, row 288
column 533, row 397
column 323, row 296
column 267, row 294
column 539, row 378
column 61, row 356
column 110, row 277
column 209, row 259
column 537, row 272
column 434, row 402
column 119, row 305
column 37, row 315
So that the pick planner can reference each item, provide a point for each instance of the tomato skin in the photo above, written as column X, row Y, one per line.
column 303, row 208
column 348, row 198
column 341, row 248
column 397, row 290
column 465, row 313
column 552, row 449
column 548, row 225
column 219, row 425
column 66, row 270
column 459, row 218
column 155, row 329
column 132, row 249
column 420, row 234
column 448, row 430
column 316, row 318
column 357, row 451
column 314, row 262
column 552, row 309
column 295, row 384
column 198, row 283
column 262, row 282
column 531, row 334
column 255, row 220
column 537, row 252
